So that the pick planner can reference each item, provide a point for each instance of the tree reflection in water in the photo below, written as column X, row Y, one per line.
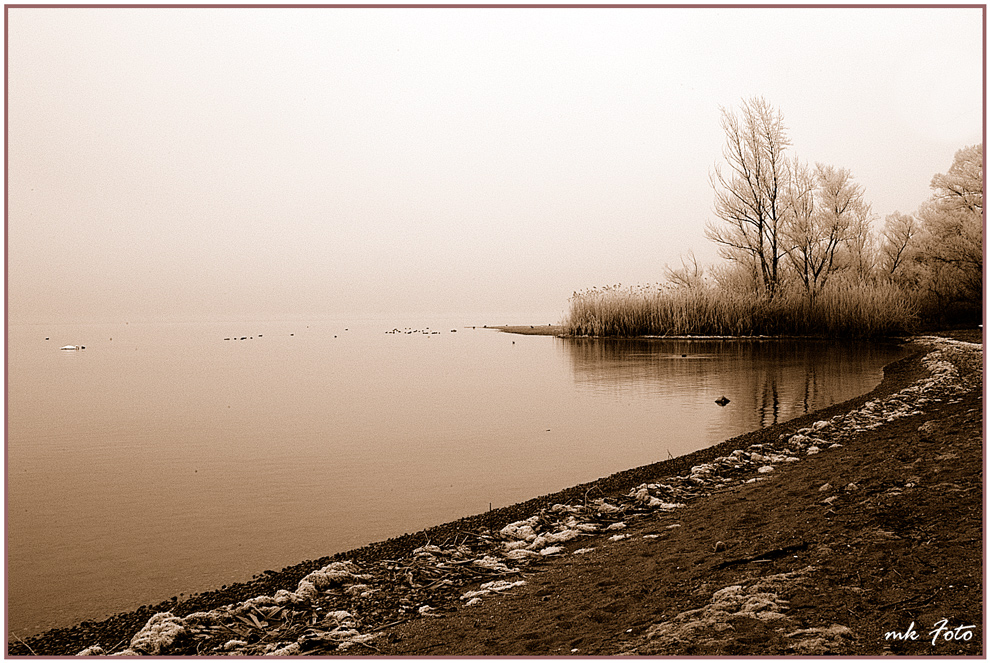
column 766, row 380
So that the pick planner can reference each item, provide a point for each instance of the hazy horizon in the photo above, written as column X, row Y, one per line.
column 248, row 163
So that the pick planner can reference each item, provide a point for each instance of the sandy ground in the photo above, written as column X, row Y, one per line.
column 857, row 530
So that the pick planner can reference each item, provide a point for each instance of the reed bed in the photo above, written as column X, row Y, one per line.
column 848, row 311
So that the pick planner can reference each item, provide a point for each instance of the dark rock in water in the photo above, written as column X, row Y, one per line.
column 723, row 401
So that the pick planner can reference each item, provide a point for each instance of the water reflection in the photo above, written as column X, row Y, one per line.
column 766, row 381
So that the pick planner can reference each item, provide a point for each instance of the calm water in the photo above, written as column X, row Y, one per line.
column 168, row 460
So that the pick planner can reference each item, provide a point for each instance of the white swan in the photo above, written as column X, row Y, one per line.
column 68, row 347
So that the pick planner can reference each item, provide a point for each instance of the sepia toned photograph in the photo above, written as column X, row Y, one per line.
column 468, row 331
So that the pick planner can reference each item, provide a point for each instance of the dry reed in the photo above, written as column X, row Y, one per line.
column 849, row 311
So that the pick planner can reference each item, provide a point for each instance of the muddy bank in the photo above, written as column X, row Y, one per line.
column 410, row 579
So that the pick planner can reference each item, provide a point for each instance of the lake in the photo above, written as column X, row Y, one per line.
column 163, row 459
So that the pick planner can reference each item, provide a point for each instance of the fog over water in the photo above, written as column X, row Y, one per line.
column 212, row 164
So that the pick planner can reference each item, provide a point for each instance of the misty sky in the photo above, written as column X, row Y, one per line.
column 186, row 164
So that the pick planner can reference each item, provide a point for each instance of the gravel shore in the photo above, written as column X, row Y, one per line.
column 739, row 548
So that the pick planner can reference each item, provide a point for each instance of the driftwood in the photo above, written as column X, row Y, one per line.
column 767, row 556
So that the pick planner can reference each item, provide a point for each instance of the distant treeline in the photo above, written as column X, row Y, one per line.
column 803, row 253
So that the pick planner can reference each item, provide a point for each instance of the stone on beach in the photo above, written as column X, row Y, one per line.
column 522, row 529
column 521, row 553
column 158, row 634
column 496, row 586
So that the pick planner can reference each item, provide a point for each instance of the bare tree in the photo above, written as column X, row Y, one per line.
column 750, row 195
column 801, row 231
column 857, row 256
column 825, row 229
column 897, row 238
column 689, row 275
column 951, row 249
column 962, row 186
column 951, row 237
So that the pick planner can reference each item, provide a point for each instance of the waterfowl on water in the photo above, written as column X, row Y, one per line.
column 723, row 401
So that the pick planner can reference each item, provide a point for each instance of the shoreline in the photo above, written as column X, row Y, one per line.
column 858, row 529
column 560, row 331
column 112, row 631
